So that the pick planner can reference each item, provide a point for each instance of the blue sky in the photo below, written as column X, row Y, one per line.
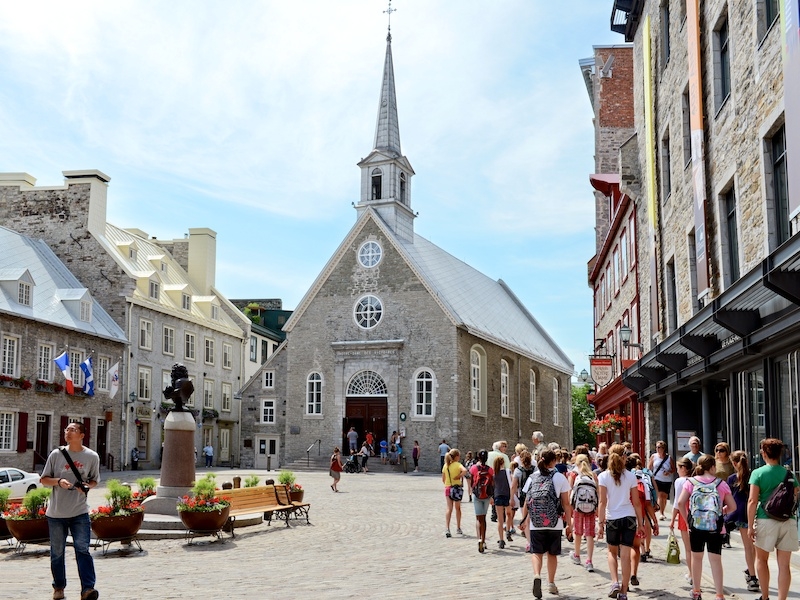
column 249, row 117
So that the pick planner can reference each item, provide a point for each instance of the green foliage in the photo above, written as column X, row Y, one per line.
column 206, row 487
column 286, row 477
column 119, row 496
column 582, row 414
column 251, row 481
column 5, row 494
column 147, row 485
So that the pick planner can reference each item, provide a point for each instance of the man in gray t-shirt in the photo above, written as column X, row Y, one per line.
column 68, row 510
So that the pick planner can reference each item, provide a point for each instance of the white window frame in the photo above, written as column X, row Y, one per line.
column 208, row 393
column 44, row 355
column 314, row 394
column 75, row 360
column 155, row 290
column 24, row 293
column 186, row 301
column 370, row 254
column 145, row 334
column 368, row 311
column 504, row 379
column 10, row 365
column 7, row 432
column 268, row 411
column 227, row 356
column 214, row 312
column 268, row 382
column 208, row 355
column 100, row 374
column 189, row 346
column 227, row 396
column 424, row 395
column 534, row 416
column 555, row 402
column 478, row 379
column 86, row 311
column 145, row 383
column 168, row 340
column 253, row 349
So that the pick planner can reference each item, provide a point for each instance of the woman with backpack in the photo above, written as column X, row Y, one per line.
column 502, row 501
column 685, row 467
column 481, row 483
column 518, row 480
column 644, row 487
column 584, row 503
column 621, row 517
column 452, row 477
column 704, row 501
column 739, row 482
column 662, row 467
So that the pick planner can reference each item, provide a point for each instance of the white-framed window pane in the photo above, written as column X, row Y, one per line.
column 314, row 394
column 268, row 411
column 475, row 380
column 534, row 416
column 186, row 302
column 155, row 290
column 555, row 401
column 227, row 356
column 10, row 356
column 227, row 395
column 169, row 340
column 214, row 312
column 45, row 356
column 101, row 372
column 209, row 351
column 208, row 393
column 253, row 349
column 145, row 383
column 6, row 431
column 188, row 346
column 269, row 379
column 75, row 360
column 503, row 388
column 24, row 296
column 423, row 394
column 86, row 312
column 145, row 334
column 368, row 312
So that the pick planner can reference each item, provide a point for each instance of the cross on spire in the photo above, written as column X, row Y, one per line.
column 389, row 12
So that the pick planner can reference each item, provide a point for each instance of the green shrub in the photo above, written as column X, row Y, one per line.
column 251, row 481
column 286, row 477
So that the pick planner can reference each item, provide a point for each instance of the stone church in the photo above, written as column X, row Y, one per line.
column 396, row 334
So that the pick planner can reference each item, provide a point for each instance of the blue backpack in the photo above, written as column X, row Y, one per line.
column 705, row 506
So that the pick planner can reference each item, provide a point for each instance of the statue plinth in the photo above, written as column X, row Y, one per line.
column 177, row 465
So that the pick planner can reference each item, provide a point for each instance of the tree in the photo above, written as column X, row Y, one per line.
column 582, row 413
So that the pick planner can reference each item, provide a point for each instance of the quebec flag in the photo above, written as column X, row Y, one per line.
column 88, row 374
column 62, row 362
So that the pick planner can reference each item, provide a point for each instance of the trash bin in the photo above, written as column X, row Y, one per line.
column 269, row 463
column 405, row 464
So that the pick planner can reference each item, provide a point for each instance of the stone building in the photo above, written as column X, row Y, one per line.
column 45, row 311
column 716, row 221
column 267, row 319
column 396, row 334
column 162, row 294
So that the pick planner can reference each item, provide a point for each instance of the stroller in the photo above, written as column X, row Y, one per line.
column 352, row 464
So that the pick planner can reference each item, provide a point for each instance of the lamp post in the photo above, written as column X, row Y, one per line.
column 625, row 336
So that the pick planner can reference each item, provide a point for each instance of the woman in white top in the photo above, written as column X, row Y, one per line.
column 663, row 468
column 621, row 515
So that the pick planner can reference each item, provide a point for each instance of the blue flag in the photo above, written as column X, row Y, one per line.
column 88, row 372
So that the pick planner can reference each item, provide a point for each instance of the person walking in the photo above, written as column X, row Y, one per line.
column 416, row 452
column 518, row 480
column 549, row 511
column 739, row 482
column 208, row 452
column 336, row 468
column 704, row 501
column 584, row 501
column 443, row 450
column 352, row 440
column 663, row 469
column 364, row 456
column 502, row 501
column 68, row 509
column 644, row 487
column 621, row 517
column 685, row 468
column 134, row 458
column 452, row 476
column 481, row 484
column 694, row 453
column 767, row 533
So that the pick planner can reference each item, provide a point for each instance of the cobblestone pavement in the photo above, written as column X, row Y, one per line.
column 381, row 536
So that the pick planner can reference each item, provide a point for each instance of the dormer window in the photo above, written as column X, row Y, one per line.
column 86, row 311
column 164, row 268
column 214, row 312
column 24, row 296
column 132, row 253
column 403, row 189
column 186, row 302
column 377, row 179
column 155, row 290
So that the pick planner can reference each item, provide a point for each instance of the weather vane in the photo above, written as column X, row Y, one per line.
column 389, row 12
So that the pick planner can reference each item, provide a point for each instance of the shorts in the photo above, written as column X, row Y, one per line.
column 709, row 540
column 664, row 486
column 336, row 474
column 776, row 535
column 546, row 540
column 583, row 523
column 621, row 532
column 383, row 454
column 682, row 526
column 481, row 506
column 501, row 500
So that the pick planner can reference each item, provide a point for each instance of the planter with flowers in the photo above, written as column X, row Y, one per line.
column 5, row 494
column 20, row 383
column 49, row 387
column 147, row 488
column 296, row 491
column 205, row 511
column 121, row 518
column 27, row 521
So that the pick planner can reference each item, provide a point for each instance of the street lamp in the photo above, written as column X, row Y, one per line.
column 625, row 336
column 584, row 375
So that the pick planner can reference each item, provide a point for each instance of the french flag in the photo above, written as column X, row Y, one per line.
column 62, row 362
column 88, row 377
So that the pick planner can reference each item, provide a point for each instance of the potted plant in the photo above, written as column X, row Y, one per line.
column 27, row 521
column 204, row 511
column 251, row 481
column 121, row 518
column 147, row 488
column 5, row 494
column 296, row 491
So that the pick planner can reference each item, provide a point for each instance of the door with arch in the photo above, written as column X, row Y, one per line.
column 366, row 408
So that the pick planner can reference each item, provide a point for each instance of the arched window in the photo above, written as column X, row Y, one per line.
column 477, row 375
column 368, row 312
column 424, row 394
column 314, row 394
column 503, row 388
column 533, row 415
column 366, row 383
column 377, row 182
column 369, row 254
column 403, row 189
column 555, row 401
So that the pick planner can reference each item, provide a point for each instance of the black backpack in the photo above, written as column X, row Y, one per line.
column 781, row 504
column 525, row 474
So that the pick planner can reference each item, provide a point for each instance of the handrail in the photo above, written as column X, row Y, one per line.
column 308, row 451
column 38, row 459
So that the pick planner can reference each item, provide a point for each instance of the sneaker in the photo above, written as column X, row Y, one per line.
column 508, row 536
column 696, row 595
column 481, row 547
column 502, row 544
column 574, row 557
column 537, row 587
column 622, row 597
column 447, row 533
column 645, row 556
column 589, row 566
column 90, row 594
column 688, row 578
column 512, row 531
column 752, row 584
column 614, row 590
column 634, row 580
column 551, row 587
column 459, row 532
column 58, row 593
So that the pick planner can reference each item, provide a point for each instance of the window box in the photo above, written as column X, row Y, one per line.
column 49, row 387
column 15, row 382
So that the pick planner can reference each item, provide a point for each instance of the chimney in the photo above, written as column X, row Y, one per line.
column 98, row 196
column 203, row 258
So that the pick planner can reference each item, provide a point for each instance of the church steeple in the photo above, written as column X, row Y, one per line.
column 385, row 172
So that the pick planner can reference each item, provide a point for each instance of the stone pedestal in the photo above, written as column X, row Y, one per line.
column 177, row 465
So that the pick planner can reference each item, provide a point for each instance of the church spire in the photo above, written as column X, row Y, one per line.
column 387, row 129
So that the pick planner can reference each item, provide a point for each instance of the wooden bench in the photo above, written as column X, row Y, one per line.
column 260, row 499
column 300, row 508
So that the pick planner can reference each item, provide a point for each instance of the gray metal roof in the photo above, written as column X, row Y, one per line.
column 487, row 308
column 53, row 283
